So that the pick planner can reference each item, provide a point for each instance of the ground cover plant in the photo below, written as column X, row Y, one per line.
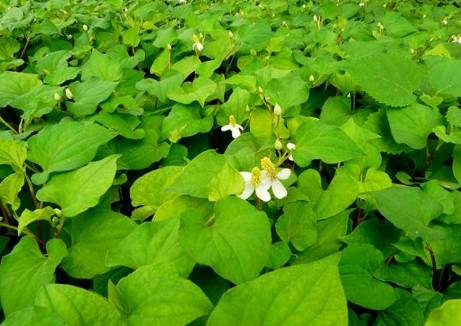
column 230, row 162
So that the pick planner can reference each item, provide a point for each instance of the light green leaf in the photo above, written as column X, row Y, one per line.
column 357, row 267
column 77, row 306
column 409, row 209
column 123, row 124
column 101, row 66
column 160, row 89
column 199, row 90
column 27, row 217
column 317, row 140
column 287, row 91
column 55, row 67
column 10, row 188
column 149, row 189
column 33, row 316
column 374, row 181
column 152, row 296
column 94, row 233
column 153, row 243
column 208, row 175
column 298, row 225
column 413, row 124
column 445, row 77
column 390, row 78
column 88, row 94
column 446, row 315
column 185, row 121
column 13, row 153
column 13, row 85
column 81, row 189
column 235, row 240
column 65, row 146
column 307, row 294
column 26, row 270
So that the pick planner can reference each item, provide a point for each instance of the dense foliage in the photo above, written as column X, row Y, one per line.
column 230, row 162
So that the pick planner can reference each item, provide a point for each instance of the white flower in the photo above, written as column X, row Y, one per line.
column 233, row 126
column 181, row 2
column 256, row 181
column 197, row 46
column 291, row 147
column 278, row 189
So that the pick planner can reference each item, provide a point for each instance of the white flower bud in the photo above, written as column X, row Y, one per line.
column 85, row 27
column 260, row 90
column 168, row 46
column 197, row 46
column 230, row 34
column 56, row 97
column 277, row 109
column 69, row 94
column 311, row 78
column 278, row 144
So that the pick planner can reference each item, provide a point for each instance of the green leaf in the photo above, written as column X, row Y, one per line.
column 33, row 316
column 445, row 77
column 317, row 140
column 409, row 209
column 65, row 146
column 447, row 314
column 185, row 121
column 254, row 36
column 101, row 66
column 307, row 294
column 357, row 267
column 160, row 89
column 235, row 240
column 14, row 85
column 341, row 193
column 153, row 243
column 292, row 84
column 131, row 36
column 88, row 94
column 149, row 189
column 298, row 225
column 26, row 270
column 199, row 90
column 208, row 175
column 55, row 67
column 154, row 297
column 413, row 124
column 123, row 124
column 389, row 78
column 81, row 189
column 10, row 188
column 13, row 153
column 27, row 217
column 77, row 306
column 405, row 311
column 94, row 233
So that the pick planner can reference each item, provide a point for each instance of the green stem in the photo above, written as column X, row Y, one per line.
column 6, row 124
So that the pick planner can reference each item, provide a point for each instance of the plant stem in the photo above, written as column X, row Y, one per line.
column 6, row 124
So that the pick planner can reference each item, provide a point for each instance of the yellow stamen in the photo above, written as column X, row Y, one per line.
column 255, row 176
column 267, row 165
column 232, row 120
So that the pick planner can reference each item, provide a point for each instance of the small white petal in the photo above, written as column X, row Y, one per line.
column 278, row 189
column 265, row 180
column 290, row 157
column 291, row 146
column 262, row 192
column 246, row 176
column 226, row 128
column 247, row 191
column 235, row 132
column 284, row 174
column 239, row 127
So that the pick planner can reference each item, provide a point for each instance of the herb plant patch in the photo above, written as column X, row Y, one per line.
column 235, row 162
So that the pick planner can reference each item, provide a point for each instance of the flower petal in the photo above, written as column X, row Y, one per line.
column 235, row 132
column 239, row 127
column 278, row 189
column 246, row 176
column 262, row 192
column 226, row 128
column 247, row 191
column 284, row 174
column 290, row 157
column 291, row 146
